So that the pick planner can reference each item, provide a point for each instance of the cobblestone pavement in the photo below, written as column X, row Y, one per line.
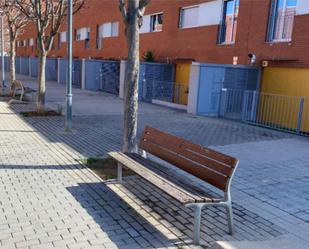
column 49, row 200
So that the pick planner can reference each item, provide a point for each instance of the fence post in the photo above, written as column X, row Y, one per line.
column 144, row 88
column 29, row 62
column 121, row 78
column 300, row 115
column 254, row 106
column 20, row 65
column 83, row 74
column 223, row 102
column 244, row 106
column 58, row 69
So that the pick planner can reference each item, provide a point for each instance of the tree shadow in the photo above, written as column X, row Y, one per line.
column 155, row 215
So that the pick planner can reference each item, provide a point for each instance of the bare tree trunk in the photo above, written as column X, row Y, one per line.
column 12, row 60
column 41, row 82
column 131, row 79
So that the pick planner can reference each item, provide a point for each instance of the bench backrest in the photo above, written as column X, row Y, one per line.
column 211, row 166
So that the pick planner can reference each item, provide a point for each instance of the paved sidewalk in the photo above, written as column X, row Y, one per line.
column 87, row 102
column 49, row 200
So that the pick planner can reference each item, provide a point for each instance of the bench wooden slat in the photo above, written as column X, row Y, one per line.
column 189, row 166
column 168, row 187
column 228, row 160
column 178, row 178
column 177, row 145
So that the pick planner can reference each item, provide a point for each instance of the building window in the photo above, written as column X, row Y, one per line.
column 31, row 42
column 189, row 17
column 82, row 34
column 98, row 38
column 228, row 26
column 204, row 14
column 152, row 23
column 281, row 20
column 114, row 29
column 63, row 36
column 156, row 22
column 110, row 29
column 77, row 35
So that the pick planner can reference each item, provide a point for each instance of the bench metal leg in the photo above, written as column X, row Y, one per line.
column 197, row 217
column 119, row 172
column 229, row 211
column 197, row 224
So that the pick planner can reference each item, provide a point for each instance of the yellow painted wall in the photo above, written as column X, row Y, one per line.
column 286, row 81
column 182, row 78
column 292, row 82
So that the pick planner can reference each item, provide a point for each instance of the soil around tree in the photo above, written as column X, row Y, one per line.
column 105, row 168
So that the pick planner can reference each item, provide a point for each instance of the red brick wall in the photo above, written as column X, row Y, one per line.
column 198, row 44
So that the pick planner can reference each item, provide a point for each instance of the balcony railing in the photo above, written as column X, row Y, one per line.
column 227, row 30
column 283, row 26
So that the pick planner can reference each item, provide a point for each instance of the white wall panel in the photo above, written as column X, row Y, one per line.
column 146, row 24
column 302, row 7
column 210, row 13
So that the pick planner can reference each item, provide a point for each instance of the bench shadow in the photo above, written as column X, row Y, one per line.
column 158, row 214
column 118, row 219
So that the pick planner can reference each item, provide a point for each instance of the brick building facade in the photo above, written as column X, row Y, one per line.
column 206, row 31
column 199, row 43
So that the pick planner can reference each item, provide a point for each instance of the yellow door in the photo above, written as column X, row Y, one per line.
column 182, row 83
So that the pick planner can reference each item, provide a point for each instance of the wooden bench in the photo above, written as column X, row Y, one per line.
column 213, row 167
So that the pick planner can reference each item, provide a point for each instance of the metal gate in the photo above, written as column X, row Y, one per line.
column 231, row 103
column 34, row 66
column 214, row 77
column 17, row 64
column 77, row 73
column 109, row 77
column 51, row 70
column 24, row 65
column 102, row 76
column 7, row 64
column 63, row 71
column 156, row 81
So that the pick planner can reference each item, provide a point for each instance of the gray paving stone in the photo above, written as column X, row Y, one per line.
column 46, row 196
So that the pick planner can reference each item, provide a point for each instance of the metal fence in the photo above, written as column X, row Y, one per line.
column 159, row 90
column 167, row 91
column 274, row 111
column 277, row 111
column 231, row 103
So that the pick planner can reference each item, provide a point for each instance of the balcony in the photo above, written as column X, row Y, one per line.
column 283, row 26
column 227, row 30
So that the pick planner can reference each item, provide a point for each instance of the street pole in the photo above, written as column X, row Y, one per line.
column 68, row 117
column 2, row 53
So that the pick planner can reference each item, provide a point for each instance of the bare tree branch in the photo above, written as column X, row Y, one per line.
column 48, row 15
column 123, row 10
